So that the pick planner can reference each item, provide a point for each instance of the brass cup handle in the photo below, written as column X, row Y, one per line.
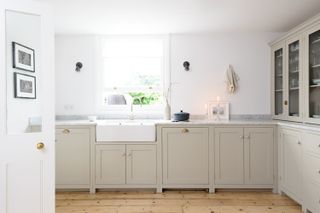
column 185, row 130
column 66, row 131
column 40, row 145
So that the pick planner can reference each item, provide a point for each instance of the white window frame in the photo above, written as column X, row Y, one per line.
column 148, row 110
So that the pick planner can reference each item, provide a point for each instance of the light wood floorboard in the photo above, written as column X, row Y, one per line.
column 174, row 202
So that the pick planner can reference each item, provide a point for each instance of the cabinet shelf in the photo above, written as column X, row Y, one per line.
column 294, row 88
column 315, row 85
column 316, row 41
column 315, row 66
column 294, row 71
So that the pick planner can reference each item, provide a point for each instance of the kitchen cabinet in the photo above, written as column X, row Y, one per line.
column 287, row 79
column 141, row 164
column 126, row 164
column 229, row 156
column 110, row 164
column 259, row 156
column 73, row 158
column 278, row 81
column 291, row 163
column 244, row 156
column 185, row 156
column 312, row 69
column 311, row 171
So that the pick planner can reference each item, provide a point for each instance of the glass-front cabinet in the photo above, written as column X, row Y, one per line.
column 278, row 81
column 294, row 79
column 313, row 75
column 287, row 80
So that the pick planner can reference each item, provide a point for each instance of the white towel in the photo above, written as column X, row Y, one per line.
column 231, row 80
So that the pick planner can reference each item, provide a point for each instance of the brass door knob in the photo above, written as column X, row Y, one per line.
column 40, row 145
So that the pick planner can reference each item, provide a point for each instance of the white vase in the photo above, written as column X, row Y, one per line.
column 167, row 111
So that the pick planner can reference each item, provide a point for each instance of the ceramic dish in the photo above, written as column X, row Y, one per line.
column 316, row 81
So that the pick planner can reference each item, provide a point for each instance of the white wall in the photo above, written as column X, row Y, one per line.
column 75, row 91
column 209, row 55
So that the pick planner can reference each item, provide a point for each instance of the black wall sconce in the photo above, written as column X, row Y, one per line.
column 186, row 65
column 79, row 65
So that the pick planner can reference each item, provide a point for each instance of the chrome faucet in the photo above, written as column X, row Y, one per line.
column 131, row 116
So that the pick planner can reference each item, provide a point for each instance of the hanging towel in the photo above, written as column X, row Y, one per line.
column 231, row 80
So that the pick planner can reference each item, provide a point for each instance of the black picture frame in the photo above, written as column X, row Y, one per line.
column 17, row 93
column 15, row 59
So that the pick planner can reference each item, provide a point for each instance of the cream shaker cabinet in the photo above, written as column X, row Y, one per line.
column 244, row 156
column 141, row 164
column 229, row 156
column 185, row 156
column 73, row 158
column 291, row 163
column 126, row 164
column 110, row 164
column 311, row 171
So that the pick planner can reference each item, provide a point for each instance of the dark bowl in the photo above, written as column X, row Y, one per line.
column 181, row 116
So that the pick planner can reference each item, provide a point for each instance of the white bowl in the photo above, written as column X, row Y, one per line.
column 316, row 81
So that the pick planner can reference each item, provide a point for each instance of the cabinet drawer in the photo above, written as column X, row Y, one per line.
column 312, row 167
column 312, row 143
column 311, row 196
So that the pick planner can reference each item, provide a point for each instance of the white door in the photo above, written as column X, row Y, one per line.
column 229, row 154
column 26, row 108
column 141, row 164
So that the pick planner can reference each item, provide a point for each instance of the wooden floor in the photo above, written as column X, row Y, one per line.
column 174, row 202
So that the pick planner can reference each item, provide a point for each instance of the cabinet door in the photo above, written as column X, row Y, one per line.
column 141, row 164
column 291, row 159
column 229, row 161
column 72, row 157
column 110, row 164
column 278, row 74
column 312, row 79
column 185, row 156
column 258, row 156
column 294, row 79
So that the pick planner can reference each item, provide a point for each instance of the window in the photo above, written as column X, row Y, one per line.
column 133, row 72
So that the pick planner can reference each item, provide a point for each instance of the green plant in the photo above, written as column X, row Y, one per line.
column 141, row 98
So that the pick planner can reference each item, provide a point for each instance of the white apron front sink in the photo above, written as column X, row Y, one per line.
column 125, row 131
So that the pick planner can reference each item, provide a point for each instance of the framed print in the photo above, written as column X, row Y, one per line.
column 218, row 110
column 24, row 86
column 23, row 57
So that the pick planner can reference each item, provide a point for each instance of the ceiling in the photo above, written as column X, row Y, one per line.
column 179, row 16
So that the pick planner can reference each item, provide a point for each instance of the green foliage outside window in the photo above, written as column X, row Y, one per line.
column 141, row 98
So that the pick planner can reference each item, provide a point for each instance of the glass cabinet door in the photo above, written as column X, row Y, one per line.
column 294, row 78
column 314, row 75
column 278, row 78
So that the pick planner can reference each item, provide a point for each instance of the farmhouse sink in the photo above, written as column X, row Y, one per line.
column 125, row 131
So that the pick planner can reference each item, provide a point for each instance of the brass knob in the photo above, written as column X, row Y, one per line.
column 285, row 102
column 40, row 145
column 185, row 130
column 66, row 131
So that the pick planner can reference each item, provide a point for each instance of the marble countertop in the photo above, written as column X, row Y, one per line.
column 168, row 122
column 199, row 122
